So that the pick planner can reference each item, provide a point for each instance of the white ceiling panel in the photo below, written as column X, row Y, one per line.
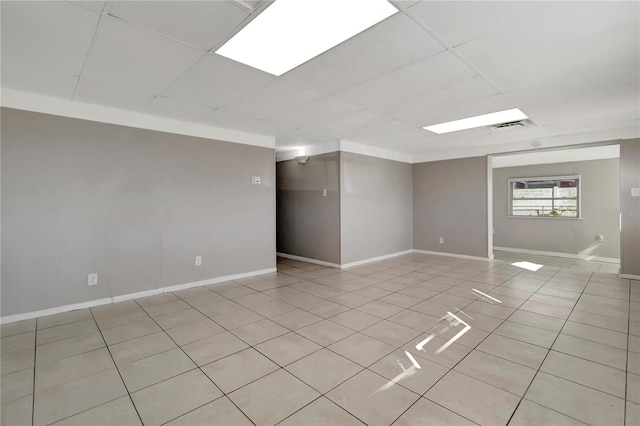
column 621, row 99
column 37, row 80
column 382, row 132
column 175, row 109
column 434, row 72
column 230, row 120
column 394, row 43
column 322, row 111
column 345, row 126
column 272, row 99
column 463, row 99
column 458, row 22
column 53, row 36
column 133, row 58
column 250, row 5
column 111, row 95
column 204, row 24
column 215, row 81
column 600, row 45
column 573, row 67
column 610, row 122
column 378, row 95
column 96, row 5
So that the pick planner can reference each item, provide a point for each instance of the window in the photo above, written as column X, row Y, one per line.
column 545, row 197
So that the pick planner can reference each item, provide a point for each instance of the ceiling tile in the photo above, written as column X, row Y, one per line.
column 136, row 59
column 96, row 5
column 110, row 95
column 458, row 22
column 379, row 132
column 389, row 45
column 230, row 120
column 215, row 81
column 463, row 99
column 609, row 121
column 175, row 109
column 53, row 36
column 620, row 100
column 322, row 111
column 204, row 24
column 601, row 46
column 37, row 80
column 345, row 126
column 404, row 3
column 251, row 5
column 434, row 72
column 378, row 95
column 272, row 99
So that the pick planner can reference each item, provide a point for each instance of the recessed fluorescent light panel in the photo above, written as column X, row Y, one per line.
column 478, row 121
column 290, row 32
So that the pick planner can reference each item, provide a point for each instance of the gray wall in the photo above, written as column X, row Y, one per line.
column 630, row 207
column 308, row 224
column 135, row 206
column 450, row 201
column 600, row 203
column 376, row 207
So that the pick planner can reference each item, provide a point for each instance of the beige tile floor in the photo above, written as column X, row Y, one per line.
column 415, row 340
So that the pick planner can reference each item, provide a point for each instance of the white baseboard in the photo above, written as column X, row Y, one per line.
column 57, row 310
column 558, row 254
column 105, row 301
column 345, row 265
column 459, row 256
column 630, row 277
column 308, row 260
column 138, row 295
column 375, row 259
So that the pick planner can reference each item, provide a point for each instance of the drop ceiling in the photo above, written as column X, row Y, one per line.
column 573, row 67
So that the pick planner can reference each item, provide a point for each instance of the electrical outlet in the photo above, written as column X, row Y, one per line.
column 324, row 192
column 256, row 180
column 198, row 260
column 441, row 240
column 92, row 279
column 600, row 237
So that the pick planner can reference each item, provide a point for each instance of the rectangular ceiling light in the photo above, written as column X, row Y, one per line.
column 478, row 121
column 290, row 32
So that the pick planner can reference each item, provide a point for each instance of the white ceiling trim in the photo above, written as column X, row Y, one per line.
column 66, row 108
column 291, row 152
column 372, row 151
column 630, row 132
column 557, row 156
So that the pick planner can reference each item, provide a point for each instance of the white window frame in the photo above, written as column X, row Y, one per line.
column 578, row 178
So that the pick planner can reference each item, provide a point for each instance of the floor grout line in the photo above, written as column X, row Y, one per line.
column 117, row 369
column 401, row 269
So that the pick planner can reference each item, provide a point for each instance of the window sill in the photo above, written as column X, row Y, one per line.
column 545, row 217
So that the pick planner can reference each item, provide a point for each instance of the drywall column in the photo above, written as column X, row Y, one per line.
column 599, row 205
column 376, row 207
column 135, row 206
column 630, row 208
column 308, row 222
column 450, row 201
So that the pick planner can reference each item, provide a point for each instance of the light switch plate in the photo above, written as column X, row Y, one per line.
column 256, row 180
column 92, row 279
column 635, row 192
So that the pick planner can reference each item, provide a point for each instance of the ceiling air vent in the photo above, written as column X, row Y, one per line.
column 511, row 125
